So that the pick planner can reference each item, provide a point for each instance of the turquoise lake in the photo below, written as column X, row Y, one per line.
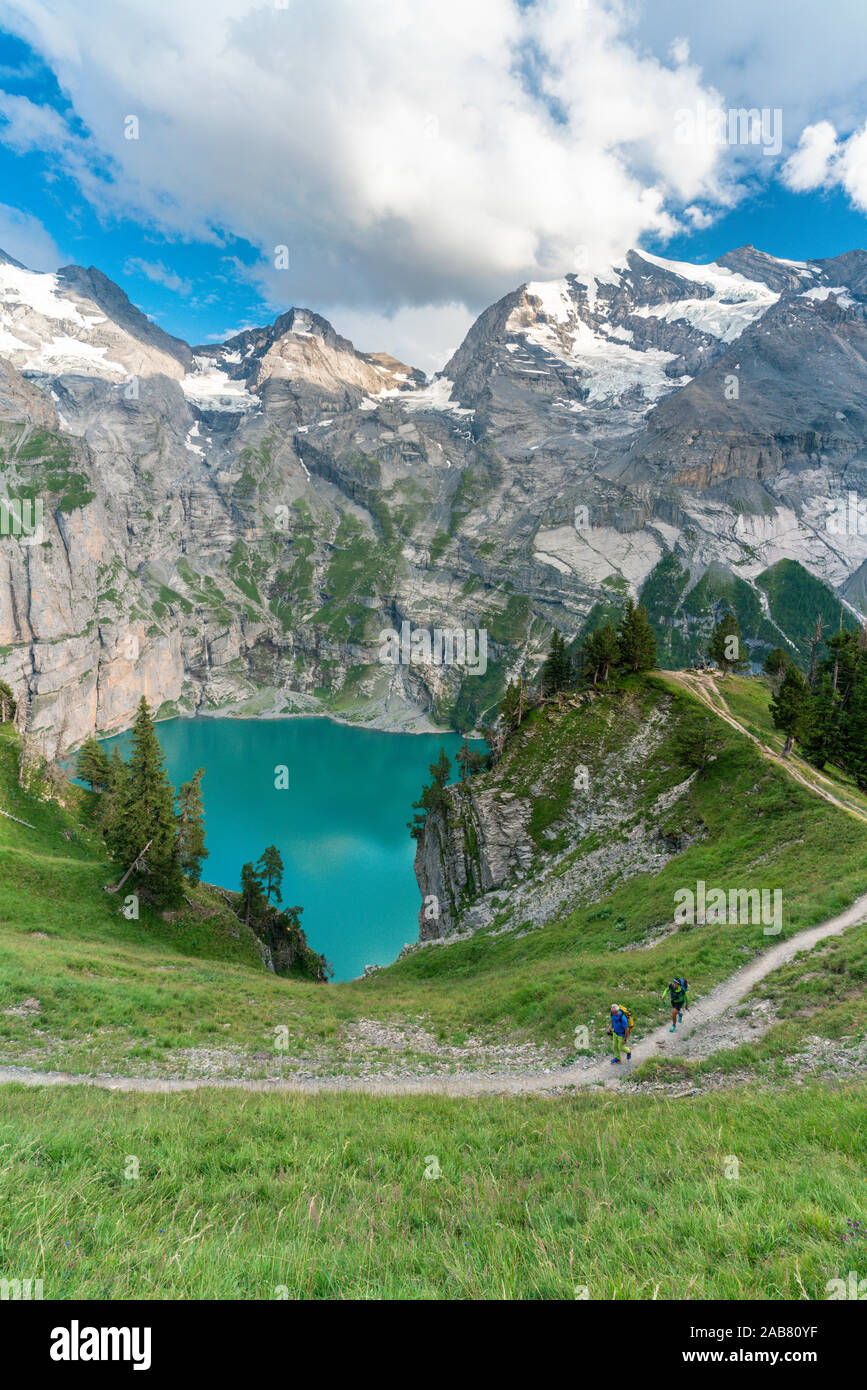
column 340, row 825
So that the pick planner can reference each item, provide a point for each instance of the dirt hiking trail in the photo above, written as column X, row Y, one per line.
column 705, row 689
column 586, row 1072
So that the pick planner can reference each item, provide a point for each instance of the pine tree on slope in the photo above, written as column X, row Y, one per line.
column 142, row 822
column 636, row 640
column 191, row 827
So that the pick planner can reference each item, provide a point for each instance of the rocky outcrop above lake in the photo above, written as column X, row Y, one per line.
column 565, row 814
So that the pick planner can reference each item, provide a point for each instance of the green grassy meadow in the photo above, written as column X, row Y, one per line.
column 119, row 995
column 749, row 1190
column 739, row 1195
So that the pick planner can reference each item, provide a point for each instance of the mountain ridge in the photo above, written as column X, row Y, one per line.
column 249, row 517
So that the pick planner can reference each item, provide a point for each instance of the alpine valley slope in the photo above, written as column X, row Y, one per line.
column 231, row 528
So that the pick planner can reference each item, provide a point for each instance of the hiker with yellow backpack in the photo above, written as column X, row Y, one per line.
column 622, row 1024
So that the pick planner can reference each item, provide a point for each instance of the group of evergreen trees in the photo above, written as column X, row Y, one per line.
column 261, row 899
column 260, row 882
column 630, row 648
column 156, row 839
column 825, row 712
column 627, row 649
column 432, row 796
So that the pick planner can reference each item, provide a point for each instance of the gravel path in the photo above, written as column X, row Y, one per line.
column 587, row 1072
column 705, row 689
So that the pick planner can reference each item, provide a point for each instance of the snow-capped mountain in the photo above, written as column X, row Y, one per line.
column 254, row 514
column 726, row 399
column 78, row 322
column 301, row 346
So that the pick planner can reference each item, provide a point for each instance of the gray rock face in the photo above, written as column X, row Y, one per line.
column 606, row 830
column 233, row 528
column 481, row 843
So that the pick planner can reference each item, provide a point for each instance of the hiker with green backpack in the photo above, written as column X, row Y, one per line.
column 622, row 1024
column 678, row 992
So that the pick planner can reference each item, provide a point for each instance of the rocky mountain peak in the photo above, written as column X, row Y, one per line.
column 77, row 321
column 629, row 335
column 777, row 275
column 848, row 270
column 302, row 348
column 96, row 288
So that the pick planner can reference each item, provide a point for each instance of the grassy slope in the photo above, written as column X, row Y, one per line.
column 327, row 1196
column 120, row 995
column 763, row 831
column 240, row 1195
column 748, row 699
column 125, row 995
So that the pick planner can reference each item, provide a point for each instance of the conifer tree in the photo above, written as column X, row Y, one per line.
column 777, row 662
column 697, row 742
column 850, row 745
column 557, row 669
column 477, row 761
column 433, row 795
column 494, row 734
column 791, row 708
column 469, row 760
column 725, row 645
column 636, row 640
column 144, row 815
column 191, row 827
column 253, row 900
column 844, row 655
column 510, row 707
column 114, row 798
column 600, row 654
column 821, row 737
column 270, row 870
column 92, row 764
column 814, row 649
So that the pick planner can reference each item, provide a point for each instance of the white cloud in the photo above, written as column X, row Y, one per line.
column 680, row 50
column 423, row 336
column 416, row 156
column 159, row 274
column 824, row 161
column 27, row 126
column 772, row 54
column 24, row 238
column 853, row 168
column 698, row 218
column 810, row 166
column 400, row 151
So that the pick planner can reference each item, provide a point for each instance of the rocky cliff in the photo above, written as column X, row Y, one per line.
column 233, row 528
column 584, row 797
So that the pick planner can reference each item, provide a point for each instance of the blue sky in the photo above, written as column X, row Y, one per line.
column 415, row 160
column 201, row 295
column 796, row 226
